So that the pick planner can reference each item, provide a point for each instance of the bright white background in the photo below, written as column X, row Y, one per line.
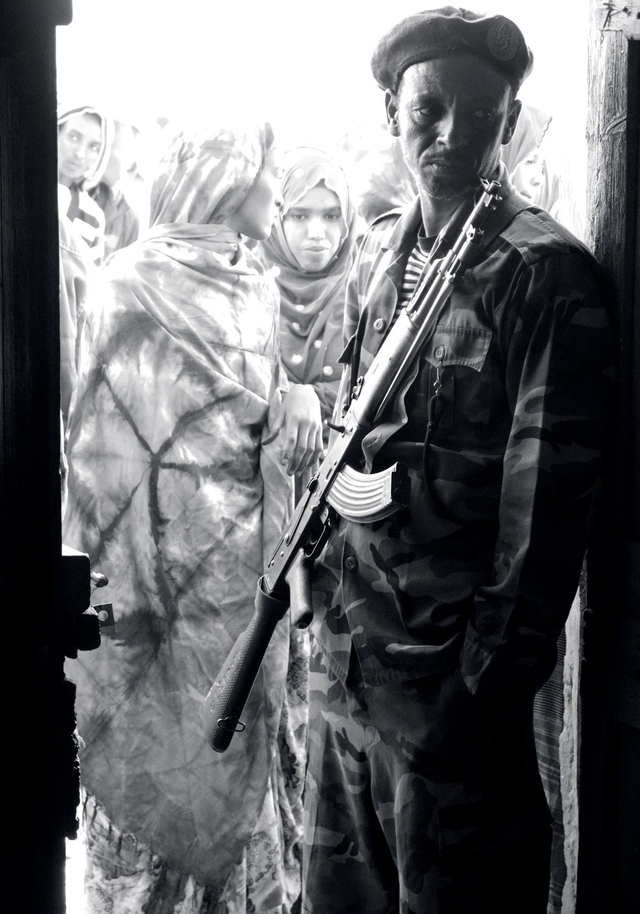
column 304, row 66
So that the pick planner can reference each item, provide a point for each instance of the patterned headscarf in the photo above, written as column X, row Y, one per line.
column 207, row 172
column 108, row 129
column 309, row 300
column 529, row 133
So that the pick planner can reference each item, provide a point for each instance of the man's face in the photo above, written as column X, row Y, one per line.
column 79, row 144
column 452, row 115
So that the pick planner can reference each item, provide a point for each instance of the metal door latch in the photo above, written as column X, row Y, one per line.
column 82, row 622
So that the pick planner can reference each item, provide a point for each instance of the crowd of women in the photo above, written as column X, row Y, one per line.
column 206, row 357
column 200, row 362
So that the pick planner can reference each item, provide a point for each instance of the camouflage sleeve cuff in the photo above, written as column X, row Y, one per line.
column 483, row 673
column 489, row 677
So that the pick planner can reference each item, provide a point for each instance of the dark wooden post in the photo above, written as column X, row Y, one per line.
column 36, row 712
column 609, row 857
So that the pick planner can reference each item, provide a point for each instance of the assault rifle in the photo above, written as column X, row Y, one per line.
column 337, row 488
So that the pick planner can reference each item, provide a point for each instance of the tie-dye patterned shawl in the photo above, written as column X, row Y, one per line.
column 205, row 175
column 176, row 499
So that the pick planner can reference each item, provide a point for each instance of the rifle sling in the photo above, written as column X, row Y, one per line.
column 497, row 221
column 411, row 453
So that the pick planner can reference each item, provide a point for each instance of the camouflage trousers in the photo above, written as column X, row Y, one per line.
column 420, row 799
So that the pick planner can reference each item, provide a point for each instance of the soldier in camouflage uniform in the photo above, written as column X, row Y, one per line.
column 433, row 628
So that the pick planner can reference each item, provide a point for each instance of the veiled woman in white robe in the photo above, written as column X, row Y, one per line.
column 177, row 492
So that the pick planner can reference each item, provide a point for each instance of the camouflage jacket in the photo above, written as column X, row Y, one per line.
column 482, row 568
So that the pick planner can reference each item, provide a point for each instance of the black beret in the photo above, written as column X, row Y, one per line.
column 446, row 32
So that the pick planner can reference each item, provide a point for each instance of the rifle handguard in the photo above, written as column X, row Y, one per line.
column 220, row 711
column 367, row 497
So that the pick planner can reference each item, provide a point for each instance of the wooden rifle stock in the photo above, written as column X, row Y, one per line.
column 287, row 577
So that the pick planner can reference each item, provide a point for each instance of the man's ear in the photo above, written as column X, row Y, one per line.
column 391, row 108
column 512, row 121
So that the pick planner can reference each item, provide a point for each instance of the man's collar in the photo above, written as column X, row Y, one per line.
column 407, row 226
column 410, row 221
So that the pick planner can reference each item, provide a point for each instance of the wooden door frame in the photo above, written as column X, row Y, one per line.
column 609, row 790
column 37, row 713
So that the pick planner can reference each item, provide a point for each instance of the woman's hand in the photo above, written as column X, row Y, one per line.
column 301, row 424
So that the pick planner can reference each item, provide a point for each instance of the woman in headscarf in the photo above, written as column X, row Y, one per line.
column 178, row 488
column 84, row 141
column 122, row 225
column 527, row 158
column 312, row 247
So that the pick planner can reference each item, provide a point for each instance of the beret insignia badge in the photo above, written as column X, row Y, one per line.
column 503, row 39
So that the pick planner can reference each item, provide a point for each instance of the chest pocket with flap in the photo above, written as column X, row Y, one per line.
column 456, row 357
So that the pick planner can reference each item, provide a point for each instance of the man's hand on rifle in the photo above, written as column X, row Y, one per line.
column 299, row 424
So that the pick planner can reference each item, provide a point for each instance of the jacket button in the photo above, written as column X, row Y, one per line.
column 439, row 353
column 351, row 563
column 379, row 324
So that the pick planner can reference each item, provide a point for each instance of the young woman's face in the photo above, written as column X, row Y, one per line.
column 314, row 228
column 79, row 144
column 257, row 212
